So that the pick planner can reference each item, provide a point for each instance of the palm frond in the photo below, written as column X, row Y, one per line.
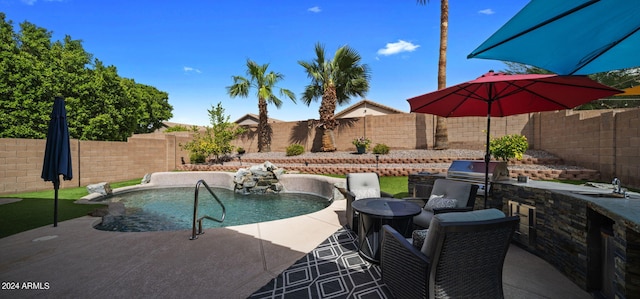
column 240, row 87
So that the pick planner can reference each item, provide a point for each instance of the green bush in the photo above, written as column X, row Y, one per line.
column 177, row 128
column 295, row 150
column 195, row 158
column 509, row 146
column 381, row 149
column 241, row 150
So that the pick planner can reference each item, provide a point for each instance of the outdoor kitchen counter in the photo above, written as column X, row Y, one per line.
column 625, row 209
column 593, row 240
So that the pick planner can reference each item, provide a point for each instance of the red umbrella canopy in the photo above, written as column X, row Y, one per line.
column 499, row 94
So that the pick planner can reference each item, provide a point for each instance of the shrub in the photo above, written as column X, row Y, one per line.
column 295, row 150
column 177, row 128
column 509, row 146
column 215, row 140
column 196, row 158
column 241, row 150
column 381, row 149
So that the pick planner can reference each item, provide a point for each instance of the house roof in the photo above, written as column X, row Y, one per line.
column 251, row 119
column 364, row 104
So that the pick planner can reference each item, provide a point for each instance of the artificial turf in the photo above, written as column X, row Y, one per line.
column 36, row 208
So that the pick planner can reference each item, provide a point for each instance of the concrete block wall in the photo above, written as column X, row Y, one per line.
column 92, row 161
column 21, row 165
column 627, row 147
column 606, row 141
column 398, row 131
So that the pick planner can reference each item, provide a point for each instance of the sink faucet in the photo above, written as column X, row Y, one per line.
column 617, row 186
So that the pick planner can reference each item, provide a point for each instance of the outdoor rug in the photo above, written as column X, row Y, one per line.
column 332, row 270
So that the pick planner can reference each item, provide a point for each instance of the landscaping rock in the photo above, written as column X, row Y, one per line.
column 146, row 179
column 101, row 188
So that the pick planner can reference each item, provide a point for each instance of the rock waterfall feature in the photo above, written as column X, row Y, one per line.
column 258, row 179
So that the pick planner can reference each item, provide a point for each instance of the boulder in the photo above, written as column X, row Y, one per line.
column 146, row 179
column 101, row 188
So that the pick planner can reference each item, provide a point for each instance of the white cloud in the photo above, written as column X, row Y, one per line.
column 190, row 69
column 487, row 11
column 29, row 2
column 399, row 47
column 315, row 9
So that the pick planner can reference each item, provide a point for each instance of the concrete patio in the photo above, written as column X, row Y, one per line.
column 74, row 260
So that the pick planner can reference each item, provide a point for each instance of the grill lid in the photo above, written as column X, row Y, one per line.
column 473, row 170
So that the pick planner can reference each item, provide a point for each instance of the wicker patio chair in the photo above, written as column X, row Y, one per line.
column 462, row 257
column 444, row 189
column 359, row 186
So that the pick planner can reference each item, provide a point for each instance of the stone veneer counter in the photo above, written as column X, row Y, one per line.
column 572, row 228
column 627, row 209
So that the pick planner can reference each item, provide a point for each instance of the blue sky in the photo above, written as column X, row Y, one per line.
column 190, row 49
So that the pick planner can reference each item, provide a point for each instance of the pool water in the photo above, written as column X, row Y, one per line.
column 168, row 209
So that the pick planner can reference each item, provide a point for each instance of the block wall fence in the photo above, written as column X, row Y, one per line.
column 604, row 140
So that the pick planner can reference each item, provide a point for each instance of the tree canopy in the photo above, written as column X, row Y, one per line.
column 100, row 104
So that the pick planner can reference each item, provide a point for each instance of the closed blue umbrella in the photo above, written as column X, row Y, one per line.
column 569, row 37
column 57, row 154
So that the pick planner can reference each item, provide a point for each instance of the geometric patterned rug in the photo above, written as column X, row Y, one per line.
column 332, row 270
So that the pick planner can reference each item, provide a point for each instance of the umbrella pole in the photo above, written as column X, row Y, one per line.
column 56, row 186
column 487, row 158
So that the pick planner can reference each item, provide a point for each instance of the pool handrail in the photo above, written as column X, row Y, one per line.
column 194, row 235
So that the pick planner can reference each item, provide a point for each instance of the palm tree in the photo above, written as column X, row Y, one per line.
column 335, row 81
column 442, row 137
column 264, row 83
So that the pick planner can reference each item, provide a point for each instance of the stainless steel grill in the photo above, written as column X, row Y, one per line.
column 473, row 171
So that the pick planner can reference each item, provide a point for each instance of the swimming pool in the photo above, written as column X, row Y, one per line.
column 168, row 209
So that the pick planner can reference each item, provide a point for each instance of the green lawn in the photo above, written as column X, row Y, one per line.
column 36, row 208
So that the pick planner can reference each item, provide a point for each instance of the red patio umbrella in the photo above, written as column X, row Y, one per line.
column 499, row 94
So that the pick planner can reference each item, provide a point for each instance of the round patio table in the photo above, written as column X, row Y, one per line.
column 376, row 212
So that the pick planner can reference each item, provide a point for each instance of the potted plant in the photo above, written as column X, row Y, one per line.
column 362, row 144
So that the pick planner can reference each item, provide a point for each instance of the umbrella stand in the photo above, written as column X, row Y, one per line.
column 56, row 186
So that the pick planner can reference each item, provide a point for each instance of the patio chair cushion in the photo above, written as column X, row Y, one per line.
column 366, row 193
column 418, row 236
column 453, row 189
column 438, row 201
column 428, row 247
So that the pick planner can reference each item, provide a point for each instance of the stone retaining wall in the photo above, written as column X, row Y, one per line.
column 327, row 168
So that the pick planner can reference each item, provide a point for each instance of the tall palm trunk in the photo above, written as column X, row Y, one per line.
column 264, row 130
column 327, row 118
column 442, row 136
